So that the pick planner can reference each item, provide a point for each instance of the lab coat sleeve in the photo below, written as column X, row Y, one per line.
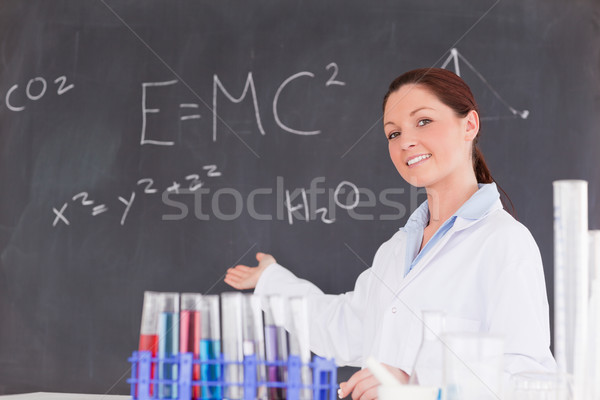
column 518, row 310
column 336, row 321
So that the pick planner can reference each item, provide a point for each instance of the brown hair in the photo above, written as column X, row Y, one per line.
column 451, row 90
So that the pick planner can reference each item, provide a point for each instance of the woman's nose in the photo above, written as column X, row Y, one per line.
column 407, row 141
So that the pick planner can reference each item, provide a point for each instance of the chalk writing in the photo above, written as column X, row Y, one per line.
column 276, row 99
column 84, row 199
column 146, row 111
column 191, row 116
column 60, row 216
column 249, row 85
column 148, row 182
column 128, row 204
column 306, row 206
column 36, row 89
column 332, row 80
column 455, row 56
column 191, row 109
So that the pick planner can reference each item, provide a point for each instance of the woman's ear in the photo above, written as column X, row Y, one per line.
column 471, row 125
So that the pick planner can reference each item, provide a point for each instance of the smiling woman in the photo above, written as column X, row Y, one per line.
column 460, row 252
column 436, row 86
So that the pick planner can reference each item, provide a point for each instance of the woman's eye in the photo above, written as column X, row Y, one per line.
column 423, row 122
column 393, row 135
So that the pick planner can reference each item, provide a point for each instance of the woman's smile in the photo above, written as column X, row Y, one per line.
column 417, row 160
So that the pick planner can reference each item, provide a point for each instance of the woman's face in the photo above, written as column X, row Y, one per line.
column 429, row 144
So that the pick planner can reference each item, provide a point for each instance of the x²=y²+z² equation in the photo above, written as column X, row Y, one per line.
column 190, row 110
column 190, row 183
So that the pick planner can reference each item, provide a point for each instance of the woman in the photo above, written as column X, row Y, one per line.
column 459, row 252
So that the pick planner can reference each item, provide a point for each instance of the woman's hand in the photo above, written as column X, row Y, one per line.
column 363, row 385
column 244, row 277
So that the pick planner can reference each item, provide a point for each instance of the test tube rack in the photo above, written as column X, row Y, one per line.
column 324, row 371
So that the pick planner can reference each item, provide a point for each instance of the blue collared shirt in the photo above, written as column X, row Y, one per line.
column 474, row 208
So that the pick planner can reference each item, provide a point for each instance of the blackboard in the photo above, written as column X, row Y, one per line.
column 116, row 99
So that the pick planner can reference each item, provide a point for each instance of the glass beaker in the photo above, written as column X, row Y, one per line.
column 473, row 366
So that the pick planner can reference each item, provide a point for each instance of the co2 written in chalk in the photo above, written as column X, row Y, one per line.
column 18, row 97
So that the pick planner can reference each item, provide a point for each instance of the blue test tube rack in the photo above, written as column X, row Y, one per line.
column 324, row 372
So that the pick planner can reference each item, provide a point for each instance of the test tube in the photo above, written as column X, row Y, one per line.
column 271, row 348
column 593, row 382
column 279, row 309
column 270, row 343
column 299, row 341
column 168, row 344
column 254, row 343
column 149, row 329
column 571, row 287
column 189, row 333
column 594, row 256
column 210, row 346
column 233, row 352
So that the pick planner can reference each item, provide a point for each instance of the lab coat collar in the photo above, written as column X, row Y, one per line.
column 479, row 205
column 482, row 202
column 419, row 218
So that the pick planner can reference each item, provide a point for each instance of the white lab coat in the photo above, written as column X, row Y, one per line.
column 486, row 274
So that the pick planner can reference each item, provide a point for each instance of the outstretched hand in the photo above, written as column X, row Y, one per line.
column 363, row 384
column 244, row 277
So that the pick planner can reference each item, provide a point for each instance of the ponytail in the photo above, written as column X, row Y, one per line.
column 483, row 175
column 482, row 172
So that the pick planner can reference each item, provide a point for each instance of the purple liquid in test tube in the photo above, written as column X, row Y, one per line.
column 271, row 355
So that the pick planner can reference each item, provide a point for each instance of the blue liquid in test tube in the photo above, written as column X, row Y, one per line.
column 168, row 344
column 210, row 350
column 210, row 346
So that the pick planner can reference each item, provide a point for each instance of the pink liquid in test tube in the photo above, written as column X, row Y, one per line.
column 149, row 330
column 190, row 333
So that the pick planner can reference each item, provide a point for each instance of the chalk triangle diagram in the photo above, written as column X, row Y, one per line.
column 455, row 57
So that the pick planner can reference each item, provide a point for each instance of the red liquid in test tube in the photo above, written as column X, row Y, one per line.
column 190, row 333
column 149, row 331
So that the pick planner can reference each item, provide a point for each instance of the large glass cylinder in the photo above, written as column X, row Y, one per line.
column 593, row 382
column 571, row 280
